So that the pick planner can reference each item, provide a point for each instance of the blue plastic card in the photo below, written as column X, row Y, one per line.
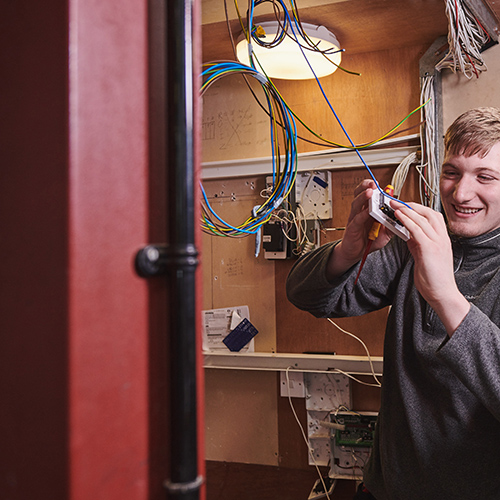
column 240, row 336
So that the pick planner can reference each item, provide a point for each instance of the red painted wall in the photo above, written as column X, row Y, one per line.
column 108, row 220
column 83, row 408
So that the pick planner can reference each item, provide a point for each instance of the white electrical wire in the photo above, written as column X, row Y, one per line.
column 374, row 375
column 429, row 167
column 301, row 226
column 401, row 172
column 336, row 370
column 298, row 219
column 466, row 37
column 306, row 440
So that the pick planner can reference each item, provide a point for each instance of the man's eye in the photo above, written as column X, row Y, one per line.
column 485, row 178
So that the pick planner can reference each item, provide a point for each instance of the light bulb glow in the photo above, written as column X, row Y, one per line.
column 286, row 60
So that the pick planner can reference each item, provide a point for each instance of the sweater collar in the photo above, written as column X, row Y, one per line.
column 478, row 247
column 487, row 238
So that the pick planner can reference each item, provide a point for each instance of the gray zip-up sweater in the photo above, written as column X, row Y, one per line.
column 438, row 431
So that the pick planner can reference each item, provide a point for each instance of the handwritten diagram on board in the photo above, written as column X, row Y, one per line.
column 234, row 126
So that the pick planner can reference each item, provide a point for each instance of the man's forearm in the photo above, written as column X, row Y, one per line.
column 338, row 264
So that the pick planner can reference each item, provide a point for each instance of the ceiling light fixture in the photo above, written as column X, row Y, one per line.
column 286, row 60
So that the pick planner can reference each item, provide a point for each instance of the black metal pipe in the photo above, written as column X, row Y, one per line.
column 181, row 253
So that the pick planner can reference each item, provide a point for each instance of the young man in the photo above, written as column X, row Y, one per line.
column 438, row 431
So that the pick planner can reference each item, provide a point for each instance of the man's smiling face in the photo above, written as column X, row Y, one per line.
column 470, row 192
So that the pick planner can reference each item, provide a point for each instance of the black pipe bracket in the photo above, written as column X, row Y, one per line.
column 183, row 488
column 156, row 260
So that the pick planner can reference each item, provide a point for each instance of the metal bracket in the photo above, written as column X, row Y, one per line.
column 483, row 13
column 155, row 260
column 183, row 488
column 427, row 63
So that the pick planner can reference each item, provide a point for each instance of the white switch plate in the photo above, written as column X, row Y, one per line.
column 294, row 386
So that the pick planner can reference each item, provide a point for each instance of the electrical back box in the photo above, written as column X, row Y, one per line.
column 313, row 192
column 274, row 241
column 325, row 392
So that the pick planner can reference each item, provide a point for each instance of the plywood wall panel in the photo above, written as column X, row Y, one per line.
column 232, row 275
column 241, row 416
column 361, row 26
column 369, row 105
column 234, row 126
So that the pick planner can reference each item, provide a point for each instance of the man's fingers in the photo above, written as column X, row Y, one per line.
column 417, row 218
column 363, row 186
column 362, row 194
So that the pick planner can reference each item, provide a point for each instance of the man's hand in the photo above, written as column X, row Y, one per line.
column 350, row 250
column 430, row 246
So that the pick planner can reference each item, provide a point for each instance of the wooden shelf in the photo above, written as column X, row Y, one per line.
column 354, row 365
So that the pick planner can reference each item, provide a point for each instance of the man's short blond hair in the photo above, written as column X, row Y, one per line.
column 474, row 132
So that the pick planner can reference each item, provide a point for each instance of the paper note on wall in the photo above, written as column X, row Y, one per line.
column 218, row 323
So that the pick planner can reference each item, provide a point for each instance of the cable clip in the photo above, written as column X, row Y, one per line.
column 278, row 202
column 258, row 234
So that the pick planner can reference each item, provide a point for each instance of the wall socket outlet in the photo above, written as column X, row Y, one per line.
column 294, row 386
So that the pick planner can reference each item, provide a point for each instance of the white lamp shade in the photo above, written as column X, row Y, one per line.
column 286, row 60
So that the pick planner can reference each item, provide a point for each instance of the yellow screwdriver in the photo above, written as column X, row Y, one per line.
column 373, row 234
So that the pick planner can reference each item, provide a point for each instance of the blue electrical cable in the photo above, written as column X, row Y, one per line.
column 287, row 16
column 281, row 184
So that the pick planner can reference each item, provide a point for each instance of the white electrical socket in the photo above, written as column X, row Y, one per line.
column 382, row 212
column 294, row 386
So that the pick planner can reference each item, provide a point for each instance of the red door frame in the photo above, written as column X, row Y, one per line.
column 82, row 358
